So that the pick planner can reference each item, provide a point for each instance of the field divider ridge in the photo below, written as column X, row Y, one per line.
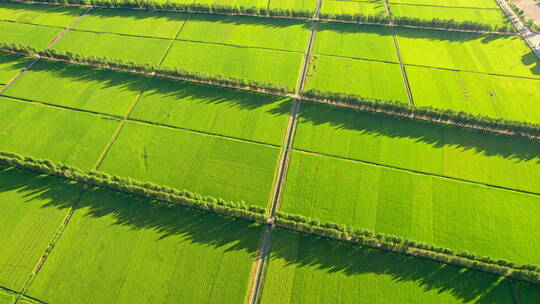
column 6, row 86
column 18, row 294
column 71, row 25
column 403, row 70
column 52, row 243
column 31, row 23
column 445, row 6
column 169, row 47
column 416, row 172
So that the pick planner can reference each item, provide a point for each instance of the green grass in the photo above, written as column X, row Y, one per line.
column 490, row 17
column 6, row 298
column 250, row 4
column 369, row 79
column 246, row 63
column 132, row 22
column 487, row 53
column 451, row 3
column 341, row 7
column 78, row 86
column 228, row 112
column 529, row 293
column 53, row 15
column 65, row 136
column 208, row 165
column 456, row 152
column 357, row 41
column 123, row 249
column 136, row 49
column 480, row 94
column 305, row 269
column 456, row 215
column 273, row 33
column 11, row 65
column 28, row 220
column 34, row 36
column 296, row 5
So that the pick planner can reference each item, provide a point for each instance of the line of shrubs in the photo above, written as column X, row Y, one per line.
column 436, row 114
column 529, row 273
column 146, row 68
column 178, row 197
column 452, row 24
column 263, row 11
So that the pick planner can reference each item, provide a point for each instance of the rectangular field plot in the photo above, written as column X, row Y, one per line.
column 461, row 216
column 368, row 79
column 306, row 269
column 492, row 17
column 487, row 53
column 79, row 87
column 267, row 66
column 504, row 161
column 333, row 8
column 132, row 22
column 355, row 41
column 451, row 3
column 272, row 33
column 209, row 165
column 34, row 36
column 11, row 65
column 32, row 207
column 124, row 249
column 480, row 94
column 228, row 112
column 137, row 50
column 306, row 7
column 65, row 136
column 52, row 15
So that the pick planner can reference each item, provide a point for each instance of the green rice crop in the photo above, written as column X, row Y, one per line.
column 205, row 164
column 343, row 7
column 78, row 86
column 369, row 79
column 493, row 96
column 6, row 298
column 228, row 112
column 53, row 15
column 306, row 269
column 490, row 17
column 11, row 65
column 30, row 217
column 451, row 3
column 461, row 216
column 137, row 49
column 487, row 53
column 273, row 33
column 124, row 249
column 529, row 293
column 132, row 22
column 297, row 5
column 268, row 66
column 505, row 161
column 355, row 41
column 65, row 136
column 250, row 4
column 34, row 36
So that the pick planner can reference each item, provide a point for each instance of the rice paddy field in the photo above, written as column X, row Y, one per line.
column 438, row 183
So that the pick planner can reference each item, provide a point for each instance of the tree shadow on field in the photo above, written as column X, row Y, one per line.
column 531, row 60
column 436, row 135
column 231, row 235
column 70, row 11
column 10, row 62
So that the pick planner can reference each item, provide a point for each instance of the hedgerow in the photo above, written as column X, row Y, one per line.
column 298, row 223
column 144, row 68
column 452, row 24
column 435, row 114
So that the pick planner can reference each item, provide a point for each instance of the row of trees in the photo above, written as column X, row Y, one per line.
column 528, row 22
column 263, row 11
column 529, row 273
column 434, row 114
column 146, row 68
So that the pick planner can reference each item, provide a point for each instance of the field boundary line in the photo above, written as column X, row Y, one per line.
column 72, row 24
column 403, row 71
column 262, row 265
column 157, row 124
column 52, row 243
column 169, row 47
column 444, row 6
column 472, row 72
column 457, row 179
column 516, row 293
column 31, row 23
column 127, row 267
column 19, row 74
column 272, row 16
